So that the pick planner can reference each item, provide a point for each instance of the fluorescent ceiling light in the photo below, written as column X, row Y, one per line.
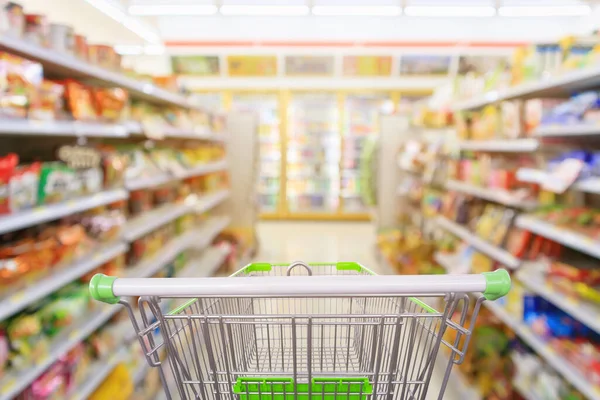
column 449, row 11
column 242, row 9
column 139, row 29
column 109, row 9
column 544, row 11
column 376, row 11
column 134, row 25
column 173, row 9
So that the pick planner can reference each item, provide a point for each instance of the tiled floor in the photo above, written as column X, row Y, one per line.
column 325, row 242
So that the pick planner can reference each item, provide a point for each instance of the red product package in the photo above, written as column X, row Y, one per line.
column 7, row 169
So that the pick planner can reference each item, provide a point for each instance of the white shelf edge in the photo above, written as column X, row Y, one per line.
column 62, row 128
column 560, row 364
column 567, row 82
column 206, row 264
column 45, row 213
column 151, row 220
column 151, row 266
column 566, row 131
column 163, row 178
column 504, row 146
column 580, row 310
column 564, row 236
column 495, row 195
column 97, row 375
column 75, row 68
column 154, row 219
column 59, row 277
column 16, row 381
column 496, row 253
column 532, row 175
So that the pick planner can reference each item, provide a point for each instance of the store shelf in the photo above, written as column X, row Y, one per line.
column 583, row 311
column 561, row 235
column 568, row 131
column 558, row 86
column 501, row 146
column 24, row 127
column 59, row 277
column 15, row 381
column 151, row 220
column 495, row 195
column 97, row 375
column 556, row 361
column 197, row 238
column 60, row 65
column 163, row 178
column 496, row 253
column 38, row 215
column 202, row 134
column 531, row 175
column 206, row 264
column 204, row 169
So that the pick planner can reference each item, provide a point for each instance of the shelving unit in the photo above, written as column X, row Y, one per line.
column 494, row 195
column 70, row 67
column 585, row 312
column 496, row 253
column 22, row 297
column 500, row 146
column 561, row 235
column 50, row 212
column 588, row 185
column 557, row 86
column 15, row 381
column 155, row 181
column 562, row 366
column 98, row 373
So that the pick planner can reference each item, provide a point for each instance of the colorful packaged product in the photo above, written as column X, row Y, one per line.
column 57, row 183
column 7, row 167
column 23, row 187
column 19, row 82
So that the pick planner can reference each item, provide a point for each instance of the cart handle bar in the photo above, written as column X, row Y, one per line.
column 493, row 285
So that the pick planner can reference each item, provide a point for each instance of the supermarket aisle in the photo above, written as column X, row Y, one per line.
column 323, row 242
column 317, row 242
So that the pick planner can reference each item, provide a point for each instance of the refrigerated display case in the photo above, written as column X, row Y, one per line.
column 210, row 101
column 313, row 154
column 362, row 112
column 267, row 107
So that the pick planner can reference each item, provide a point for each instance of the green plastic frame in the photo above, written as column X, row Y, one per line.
column 280, row 388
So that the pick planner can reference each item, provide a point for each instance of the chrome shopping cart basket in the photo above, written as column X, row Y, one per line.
column 302, row 331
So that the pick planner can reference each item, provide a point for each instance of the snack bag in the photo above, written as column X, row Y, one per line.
column 23, row 187
column 7, row 168
column 79, row 101
column 110, row 103
column 57, row 183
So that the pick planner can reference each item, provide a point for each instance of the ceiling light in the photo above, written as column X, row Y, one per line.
column 449, row 11
column 111, row 9
column 374, row 11
column 544, row 11
column 173, row 9
column 140, row 29
column 257, row 10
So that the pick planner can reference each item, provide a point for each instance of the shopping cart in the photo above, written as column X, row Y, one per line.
column 303, row 331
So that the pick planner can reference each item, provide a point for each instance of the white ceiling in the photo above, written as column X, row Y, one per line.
column 90, row 17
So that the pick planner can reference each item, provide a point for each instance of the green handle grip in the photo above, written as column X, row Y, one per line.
column 498, row 284
column 101, row 288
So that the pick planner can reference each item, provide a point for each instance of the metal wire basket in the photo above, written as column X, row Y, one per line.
column 303, row 331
